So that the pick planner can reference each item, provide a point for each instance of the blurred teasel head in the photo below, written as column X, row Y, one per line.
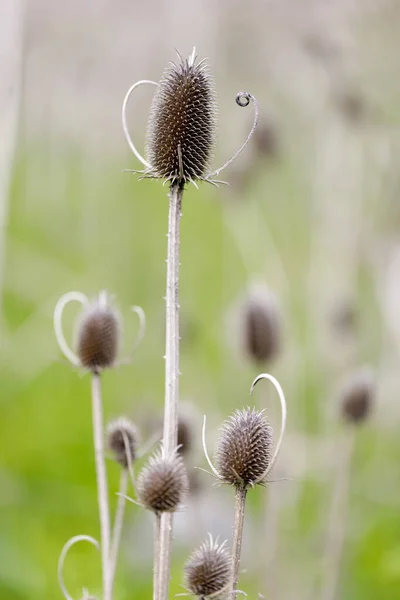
column 357, row 396
column 98, row 335
column 208, row 569
column 181, row 130
column 163, row 484
column 98, row 331
column 122, row 440
column 244, row 450
column 260, row 324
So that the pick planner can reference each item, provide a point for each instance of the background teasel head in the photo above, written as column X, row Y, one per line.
column 357, row 396
column 122, row 438
column 208, row 569
column 98, row 335
column 181, row 130
column 244, row 449
column 163, row 484
column 260, row 324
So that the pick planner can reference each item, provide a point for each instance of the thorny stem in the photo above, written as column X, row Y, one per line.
column 102, row 490
column 237, row 538
column 118, row 522
column 156, row 567
column 337, row 520
column 171, row 374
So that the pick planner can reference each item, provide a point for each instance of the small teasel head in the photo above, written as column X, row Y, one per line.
column 98, row 334
column 244, row 449
column 207, row 570
column 122, row 440
column 181, row 129
column 261, row 328
column 163, row 484
column 357, row 396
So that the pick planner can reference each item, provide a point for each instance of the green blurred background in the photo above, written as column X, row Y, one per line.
column 312, row 210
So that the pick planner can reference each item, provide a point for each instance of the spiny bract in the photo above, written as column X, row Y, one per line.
column 244, row 448
column 121, row 439
column 207, row 569
column 163, row 483
column 182, row 123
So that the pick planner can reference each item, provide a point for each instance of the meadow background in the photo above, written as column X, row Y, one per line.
column 313, row 210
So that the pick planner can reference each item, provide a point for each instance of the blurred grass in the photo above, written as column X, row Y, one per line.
column 78, row 225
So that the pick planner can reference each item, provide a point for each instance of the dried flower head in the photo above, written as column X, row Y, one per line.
column 244, row 448
column 163, row 483
column 98, row 335
column 357, row 396
column 121, row 439
column 261, row 324
column 207, row 570
column 182, row 123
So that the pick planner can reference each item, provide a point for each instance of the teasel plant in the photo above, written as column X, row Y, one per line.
column 180, row 139
column 356, row 400
column 244, row 457
column 97, row 344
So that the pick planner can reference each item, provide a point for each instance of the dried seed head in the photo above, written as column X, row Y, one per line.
column 244, row 448
column 121, row 439
column 261, row 324
column 207, row 569
column 98, row 335
column 182, row 123
column 163, row 483
column 357, row 396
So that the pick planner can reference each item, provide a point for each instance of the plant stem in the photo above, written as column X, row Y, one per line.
column 237, row 538
column 156, row 567
column 102, row 490
column 171, row 374
column 118, row 522
column 337, row 520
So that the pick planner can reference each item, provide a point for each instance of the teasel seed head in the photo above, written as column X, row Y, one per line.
column 163, row 483
column 121, row 439
column 207, row 570
column 98, row 335
column 244, row 449
column 261, row 324
column 358, row 396
column 181, row 129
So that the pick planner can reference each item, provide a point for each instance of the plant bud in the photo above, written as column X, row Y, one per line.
column 244, row 448
column 261, row 325
column 163, row 483
column 98, row 335
column 121, row 439
column 357, row 396
column 207, row 570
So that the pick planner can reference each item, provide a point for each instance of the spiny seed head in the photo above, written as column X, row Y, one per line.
column 207, row 570
column 121, row 439
column 98, row 335
column 182, row 123
column 261, row 324
column 244, row 448
column 163, row 483
column 357, row 396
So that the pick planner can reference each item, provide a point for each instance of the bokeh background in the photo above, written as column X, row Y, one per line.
column 312, row 211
